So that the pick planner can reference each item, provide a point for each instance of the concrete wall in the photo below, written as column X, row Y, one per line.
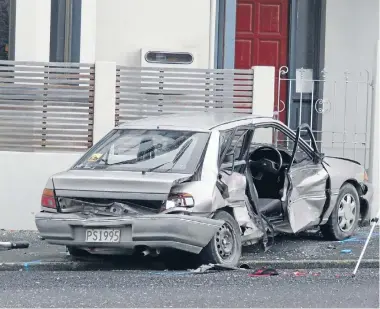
column 352, row 31
column 123, row 27
column 23, row 178
column 32, row 33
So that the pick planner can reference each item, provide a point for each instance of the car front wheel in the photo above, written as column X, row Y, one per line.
column 344, row 219
column 225, row 247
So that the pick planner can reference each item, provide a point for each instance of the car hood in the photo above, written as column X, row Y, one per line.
column 116, row 184
column 341, row 170
column 334, row 159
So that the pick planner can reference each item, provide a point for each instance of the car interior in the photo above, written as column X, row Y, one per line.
column 266, row 165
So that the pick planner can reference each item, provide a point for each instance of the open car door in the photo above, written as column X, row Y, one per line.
column 306, row 183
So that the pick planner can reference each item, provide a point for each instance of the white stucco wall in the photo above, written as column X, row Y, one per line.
column 123, row 27
column 32, row 33
column 23, row 178
column 352, row 32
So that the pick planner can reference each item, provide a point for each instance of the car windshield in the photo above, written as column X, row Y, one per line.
column 147, row 150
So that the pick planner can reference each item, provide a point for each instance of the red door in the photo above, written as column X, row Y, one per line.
column 262, row 38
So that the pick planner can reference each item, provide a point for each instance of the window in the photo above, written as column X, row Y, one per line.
column 223, row 141
column 141, row 150
column 7, row 29
column 274, row 137
column 65, row 28
column 237, row 143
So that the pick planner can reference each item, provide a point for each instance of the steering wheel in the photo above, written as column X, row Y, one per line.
column 267, row 165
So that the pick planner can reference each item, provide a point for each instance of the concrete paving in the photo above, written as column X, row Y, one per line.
column 307, row 250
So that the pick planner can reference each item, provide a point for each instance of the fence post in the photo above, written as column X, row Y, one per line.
column 105, row 97
column 374, row 152
column 263, row 90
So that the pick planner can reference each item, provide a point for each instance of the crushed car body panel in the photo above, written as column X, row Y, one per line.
column 308, row 196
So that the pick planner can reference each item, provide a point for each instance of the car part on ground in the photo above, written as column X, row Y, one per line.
column 9, row 245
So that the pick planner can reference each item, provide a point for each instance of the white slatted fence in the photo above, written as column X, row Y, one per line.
column 46, row 106
column 142, row 92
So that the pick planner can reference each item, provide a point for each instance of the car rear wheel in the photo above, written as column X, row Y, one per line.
column 225, row 247
column 344, row 219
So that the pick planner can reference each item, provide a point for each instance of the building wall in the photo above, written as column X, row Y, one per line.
column 23, row 178
column 123, row 27
column 32, row 31
column 352, row 31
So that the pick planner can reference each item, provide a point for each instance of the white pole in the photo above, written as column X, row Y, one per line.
column 366, row 243
column 374, row 153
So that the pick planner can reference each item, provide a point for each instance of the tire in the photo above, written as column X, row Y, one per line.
column 77, row 253
column 335, row 228
column 214, row 253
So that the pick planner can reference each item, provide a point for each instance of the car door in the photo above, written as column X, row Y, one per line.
column 306, row 183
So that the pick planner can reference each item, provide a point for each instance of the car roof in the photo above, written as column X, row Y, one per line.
column 194, row 121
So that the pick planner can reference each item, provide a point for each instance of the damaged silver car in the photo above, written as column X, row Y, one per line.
column 204, row 183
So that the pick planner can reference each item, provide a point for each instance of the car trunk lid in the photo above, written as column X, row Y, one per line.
column 116, row 184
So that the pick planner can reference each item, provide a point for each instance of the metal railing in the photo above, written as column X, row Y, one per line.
column 46, row 106
column 335, row 106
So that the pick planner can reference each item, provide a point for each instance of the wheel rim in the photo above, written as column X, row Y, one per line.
column 347, row 212
column 225, row 242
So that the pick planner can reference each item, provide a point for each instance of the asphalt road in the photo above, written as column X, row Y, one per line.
column 332, row 288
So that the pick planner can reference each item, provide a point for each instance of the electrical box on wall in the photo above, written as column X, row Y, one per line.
column 154, row 57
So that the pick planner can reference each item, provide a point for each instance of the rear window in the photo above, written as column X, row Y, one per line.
column 142, row 150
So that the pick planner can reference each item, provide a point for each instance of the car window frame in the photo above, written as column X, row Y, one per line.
column 231, row 138
column 285, row 130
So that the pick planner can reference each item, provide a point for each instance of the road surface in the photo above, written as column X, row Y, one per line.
column 323, row 288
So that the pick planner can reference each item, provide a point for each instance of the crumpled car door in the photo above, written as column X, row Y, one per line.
column 306, row 194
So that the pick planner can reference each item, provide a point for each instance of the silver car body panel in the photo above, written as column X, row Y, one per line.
column 340, row 171
column 109, row 184
column 308, row 196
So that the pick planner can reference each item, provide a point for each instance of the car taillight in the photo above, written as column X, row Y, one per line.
column 180, row 200
column 48, row 199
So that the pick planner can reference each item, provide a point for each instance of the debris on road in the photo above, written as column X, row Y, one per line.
column 264, row 272
column 346, row 251
column 204, row 268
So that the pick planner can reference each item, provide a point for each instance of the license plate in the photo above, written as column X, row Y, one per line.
column 102, row 235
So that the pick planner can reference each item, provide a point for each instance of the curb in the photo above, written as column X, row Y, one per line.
column 90, row 266
column 310, row 264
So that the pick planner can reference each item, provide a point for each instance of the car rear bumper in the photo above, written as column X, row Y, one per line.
column 183, row 232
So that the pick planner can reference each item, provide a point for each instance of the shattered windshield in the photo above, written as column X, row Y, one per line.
column 147, row 150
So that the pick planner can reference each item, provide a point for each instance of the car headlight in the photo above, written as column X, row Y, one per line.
column 180, row 200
